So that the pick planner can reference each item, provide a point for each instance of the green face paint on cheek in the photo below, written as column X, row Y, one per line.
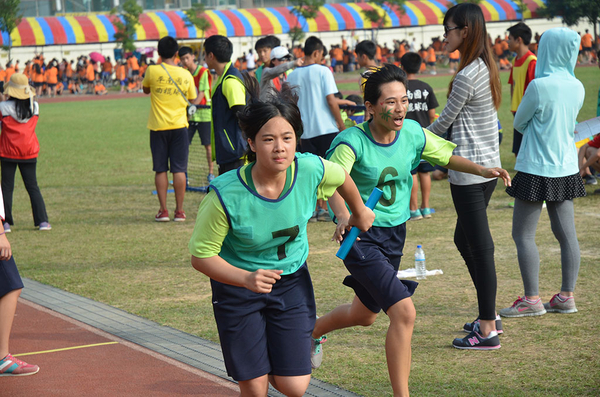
column 385, row 114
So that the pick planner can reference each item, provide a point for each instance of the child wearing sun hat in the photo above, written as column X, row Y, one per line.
column 19, row 147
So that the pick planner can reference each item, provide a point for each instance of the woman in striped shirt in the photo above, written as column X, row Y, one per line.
column 472, row 123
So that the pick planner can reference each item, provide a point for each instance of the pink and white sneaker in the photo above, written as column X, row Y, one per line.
column 10, row 366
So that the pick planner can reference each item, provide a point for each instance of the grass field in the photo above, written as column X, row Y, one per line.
column 95, row 174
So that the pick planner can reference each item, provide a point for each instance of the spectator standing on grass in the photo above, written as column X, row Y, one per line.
column 522, row 72
column 90, row 76
column 586, row 46
column 263, row 298
column 250, row 61
column 10, row 289
column 107, row 71
column 421, row 108
column 19, row 147
column 471, row 118
column 200, row 121
column 548, row 170
column 51, row 77
column 318, row 106
column 168, row 125
column 228, row 98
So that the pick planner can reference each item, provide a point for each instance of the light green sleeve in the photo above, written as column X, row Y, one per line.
column 333, row 178
column 210, row 229
column 344, row 156
column 437, row 150
column 234, row 91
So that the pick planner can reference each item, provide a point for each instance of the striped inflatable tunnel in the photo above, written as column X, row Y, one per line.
column 93, row 28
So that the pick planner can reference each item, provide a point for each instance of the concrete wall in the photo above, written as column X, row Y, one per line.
column 423, row 35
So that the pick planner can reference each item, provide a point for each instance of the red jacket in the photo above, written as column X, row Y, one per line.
column 17, row 139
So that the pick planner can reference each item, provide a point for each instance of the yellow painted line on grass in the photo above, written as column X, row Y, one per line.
column 66, row 348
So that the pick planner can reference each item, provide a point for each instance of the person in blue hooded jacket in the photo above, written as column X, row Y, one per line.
column 548, row 171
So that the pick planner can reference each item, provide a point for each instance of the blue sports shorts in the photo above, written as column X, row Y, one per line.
column 373, row 263
column 10, row 279
column 169, row 147
column 266, row 333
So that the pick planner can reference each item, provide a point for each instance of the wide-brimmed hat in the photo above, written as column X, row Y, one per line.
column 18, row 87
column 280, row 53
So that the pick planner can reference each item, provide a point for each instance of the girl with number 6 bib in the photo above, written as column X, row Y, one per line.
column 250, row 239
column 381, row 153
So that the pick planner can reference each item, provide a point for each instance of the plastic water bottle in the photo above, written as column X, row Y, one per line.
column 420, row 263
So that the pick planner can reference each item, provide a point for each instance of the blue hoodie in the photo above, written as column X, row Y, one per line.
column 549, row 108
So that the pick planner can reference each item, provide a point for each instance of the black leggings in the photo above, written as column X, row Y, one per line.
column 28, row 173
column 474, row 241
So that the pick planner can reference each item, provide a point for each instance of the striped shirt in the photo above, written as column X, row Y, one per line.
column 471, row 113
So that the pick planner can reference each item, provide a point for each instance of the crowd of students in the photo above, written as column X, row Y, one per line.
column 53, row 77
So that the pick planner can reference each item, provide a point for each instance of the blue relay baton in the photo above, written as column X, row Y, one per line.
column 353, row 234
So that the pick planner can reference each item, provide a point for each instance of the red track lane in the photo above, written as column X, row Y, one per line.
column 121, row 369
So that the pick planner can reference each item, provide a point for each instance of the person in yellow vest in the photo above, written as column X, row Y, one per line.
column 523, row 71
column 200, row 121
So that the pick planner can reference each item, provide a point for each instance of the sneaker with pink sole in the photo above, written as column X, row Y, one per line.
column 11, row 366
column 561, row 304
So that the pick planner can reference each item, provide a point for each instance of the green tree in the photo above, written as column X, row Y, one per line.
column 10, row 18
column 378, row 19
column 308, row 9
column 195, row 16
column 296, row 34
column 126, row 31
column 572, row 11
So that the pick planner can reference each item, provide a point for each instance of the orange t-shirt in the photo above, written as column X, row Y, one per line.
column 107, row 67
column 51, row 75
column 338, row 54
column 120, row 72
column 504, row 45
column 2, row 74
column 378, row 53
column 586, row 40
column 430, row 55
column 133, row 63
column 89, row 73
column 454, row 54
column 37, row 77
column 99, row 87
column 9, row 72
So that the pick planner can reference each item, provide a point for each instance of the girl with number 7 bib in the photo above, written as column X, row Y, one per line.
column 250, row 239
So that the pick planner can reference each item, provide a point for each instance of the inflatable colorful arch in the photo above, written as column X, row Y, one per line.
column 93, row 28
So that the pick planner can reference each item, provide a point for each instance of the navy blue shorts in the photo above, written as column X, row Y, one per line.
column 423, row 167
column 266, row 333
column 373, row 263
column 203, row 129
column 169, row 147
column 318, row 145
column 10, row 279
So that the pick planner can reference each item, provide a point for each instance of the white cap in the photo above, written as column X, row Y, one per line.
column 279, row 52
